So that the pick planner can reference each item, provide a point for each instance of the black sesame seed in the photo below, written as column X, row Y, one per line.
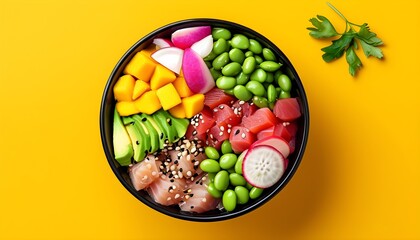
column 176, row 161
column 237, row 132
column 180, row 169
column 137, row 142
column 192, row 207
column 172, row 180
column 144, row 119
column 161, row 135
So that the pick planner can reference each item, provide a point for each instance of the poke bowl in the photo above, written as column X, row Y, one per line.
column 204, row 120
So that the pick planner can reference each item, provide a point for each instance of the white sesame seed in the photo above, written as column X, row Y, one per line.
column 229, row 130
column 222, row 128
column 172, row 167
column 154, row 173
column 220, row 133
column 204, row 200
column 243, row 135
column 188, row 157
column 177, row 196
column 168, row 199
column 241, row 102
column 189, row 173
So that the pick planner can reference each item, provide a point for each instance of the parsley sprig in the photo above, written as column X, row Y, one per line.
column 354, row 35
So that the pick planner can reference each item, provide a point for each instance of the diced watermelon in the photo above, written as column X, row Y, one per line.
column 262, row 119
column 287, row 109
column 244, row 109
column 223, row 114
column 241, row 139
column 215, row 97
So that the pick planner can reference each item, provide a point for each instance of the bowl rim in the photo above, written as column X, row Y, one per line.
column 212, row 22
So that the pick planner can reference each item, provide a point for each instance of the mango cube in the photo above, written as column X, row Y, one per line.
column 193, row 104
column 178, row 111
column 168, row 96
column 141, row 67
column 181, row 87
column 149, row 50
column 148, row 102
column 123, row 88
column 161, row 77
column 140, row 87
column 125, row 108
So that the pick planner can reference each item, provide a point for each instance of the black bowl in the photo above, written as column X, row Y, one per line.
column 108, row 104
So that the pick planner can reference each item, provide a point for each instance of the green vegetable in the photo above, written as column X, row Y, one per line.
column 268, row 54
column 255, row 46
column 284, row 82
column 240, row 41
column 218, row 33
column 242, row 194
column 249, row 65
column 256, row 88
column 210, row 166
column 242, row 93
column 259, row 75
column 229, row 200
column 213, row 191
column 212, row 153
column 220, row 46
column 227, row 160
column 226, row 83
column 232, row 69
column 221, row 61
column 237, row 179
column 271, row 93
column 221, row 180
column 242, row 78
column 347, row 42
column 236, row 55
column 260, row 102
column 255, row 192
column 226, row 147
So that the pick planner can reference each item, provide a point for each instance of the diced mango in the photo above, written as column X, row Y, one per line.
column 148, row 102
column 149, row 50
column 168, row 96
column 193, row 104
column 141, row 67
column 177, row 111
column 140, row 87
column 182, row 87
column 125, row 108
column 123, row 88
column 161, row 77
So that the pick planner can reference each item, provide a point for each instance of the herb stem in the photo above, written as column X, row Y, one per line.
column 338, row 12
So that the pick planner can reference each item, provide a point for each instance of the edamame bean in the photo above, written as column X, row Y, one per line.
column 258, row 59
column 240, row 41
column 225, row 83
column 271, row 105
column 229, row 91
column 220, row 61
column 284, row 83
column 242, row 78
column 271, row 93
column 248, row 186
column 259, row 75
column 229, row 200
column 215, row 73
column 255, row 46
column 231, row 170
column 242, row 194
column 270, row 77
column 277, row 75
column 231, row 69
column 242, row 93
column 284, row 94
column 210, row 166
column 212, row 153
column 218, row 33
column 238, row 164
column 213, row 191
column 236, row 55
column 210, row 57
column 221, row 180
column 220, row 46
column 260, row 102
column 249, row 54
column 211, row 176
column 227, row 160
column 237, row 179
column 270, row 66
column 255, row 192
column 268, row 54
column 249, row 65
column 226, row 147
column 255, row 88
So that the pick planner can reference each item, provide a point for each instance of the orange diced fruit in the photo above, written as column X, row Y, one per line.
column 168, row 96
column 177, row 111
column 140, row 87
column 123, row 88
column 193, row 104
column 161, row 77
column 126, row 108
column 181, row 87
column 141, row 67
column 149, row 50
column 148, row 102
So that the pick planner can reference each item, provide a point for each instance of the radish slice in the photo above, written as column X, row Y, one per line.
column 170, row 57
column 162, row 42
column 276, row 142
column 204, row 46
column 263, row 166
column 184, row 38
column 196, row 73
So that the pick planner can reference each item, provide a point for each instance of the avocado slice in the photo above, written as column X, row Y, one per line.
column 146, row 140
column 154, row 135
column 180, row 124
column 166, row 125
column 123, row 149
column 161, row 134
column 138, row 137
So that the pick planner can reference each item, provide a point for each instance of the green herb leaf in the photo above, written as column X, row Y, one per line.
column 323, row 28
column 337, row 48
column 353, row 61
column 368, row 37
column 371, row 50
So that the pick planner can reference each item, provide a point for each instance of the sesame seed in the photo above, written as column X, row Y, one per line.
column 222, row 128
column 172, row 167
column 188, row 157
column 189, row 173
column 220, row 133
column 145, row 177
column 221, row 106
column 229, row 130
column 154, row 173
column 177, row 196
column 243, row 135
column 204, row 200
column 241, row 102
column 168, row 199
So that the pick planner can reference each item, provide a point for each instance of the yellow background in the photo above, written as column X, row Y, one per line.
column 359, row 178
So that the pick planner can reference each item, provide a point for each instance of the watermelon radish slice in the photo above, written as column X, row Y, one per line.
column 185, row 37
column 196, row 73
column 170, row 57
column 263, row 166
column 277, row 143
column 204, row 46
